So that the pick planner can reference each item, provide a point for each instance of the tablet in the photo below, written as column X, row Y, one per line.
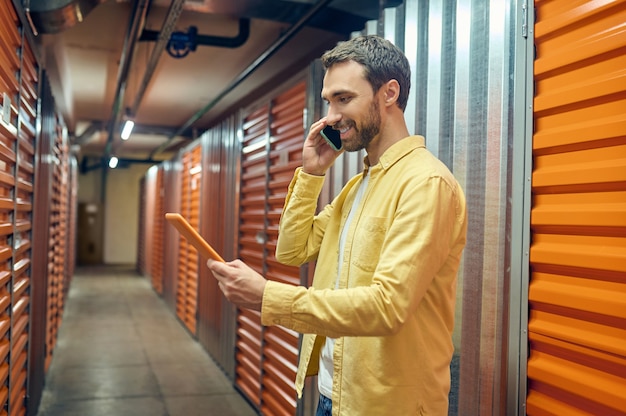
column 196, row 240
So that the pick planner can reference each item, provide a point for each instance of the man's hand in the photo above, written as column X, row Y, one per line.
column 240, row 284
column 317, row 155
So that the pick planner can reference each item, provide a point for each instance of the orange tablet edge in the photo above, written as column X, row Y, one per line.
column 187, row 231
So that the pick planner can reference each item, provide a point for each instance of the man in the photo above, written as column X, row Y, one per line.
column 379, row 316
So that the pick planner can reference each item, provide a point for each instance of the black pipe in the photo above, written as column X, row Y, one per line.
column 207, row 40
column 246, row 72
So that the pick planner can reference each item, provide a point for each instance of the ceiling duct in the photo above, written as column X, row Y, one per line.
column 54, row 16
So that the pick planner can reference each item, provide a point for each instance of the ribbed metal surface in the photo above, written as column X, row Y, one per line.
column 9, row 68
column 280, row 346
column 141, row 227
column 158, row 215
column 461, row 100
column 188, row 259
column 171, row 186
column 271, row 150
column 23, row 229
column 57, row 284
column 577, row 295
column 40, row 292
column 216, row 315
column 148, row 202
column 252, row 212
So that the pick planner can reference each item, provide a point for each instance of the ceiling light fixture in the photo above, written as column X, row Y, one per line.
column 113, row 162
column 128, row 128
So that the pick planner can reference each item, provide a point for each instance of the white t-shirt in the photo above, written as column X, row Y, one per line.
column 325, row 374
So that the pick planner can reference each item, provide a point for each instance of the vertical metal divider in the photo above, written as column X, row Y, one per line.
column 141, row 241
column 40, row 272
column 312, row 112
column 231, row 160
column 521, row 168
column 266, row 209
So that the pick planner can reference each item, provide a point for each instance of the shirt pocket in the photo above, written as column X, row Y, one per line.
column 368, row 241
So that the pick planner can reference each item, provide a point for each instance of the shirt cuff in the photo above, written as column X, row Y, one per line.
column 307, row 186
column 277, row 302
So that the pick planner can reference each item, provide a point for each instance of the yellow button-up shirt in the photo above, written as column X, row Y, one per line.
column 393, row 310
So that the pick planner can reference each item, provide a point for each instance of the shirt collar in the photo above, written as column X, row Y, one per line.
column 396, row 152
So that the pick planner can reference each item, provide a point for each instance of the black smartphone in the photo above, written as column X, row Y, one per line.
column 332, row 137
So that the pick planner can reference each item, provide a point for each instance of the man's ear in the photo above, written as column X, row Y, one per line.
column 391, row 91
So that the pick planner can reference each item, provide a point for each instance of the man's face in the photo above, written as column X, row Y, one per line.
column 353, row 107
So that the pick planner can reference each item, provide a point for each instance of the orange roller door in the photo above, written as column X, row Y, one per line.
column 187, row 284
column 577, row 293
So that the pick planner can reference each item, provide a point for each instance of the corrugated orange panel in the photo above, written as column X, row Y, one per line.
column 279, row 370
column 577, row 293
column 187, row 284
column 9, row 86
column 248, row 355
column 158, row 224
column 58, row 231
column 183, row 248
column 280, row 349
column 251, row 246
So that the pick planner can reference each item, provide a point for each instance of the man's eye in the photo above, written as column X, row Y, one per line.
column 344, row 100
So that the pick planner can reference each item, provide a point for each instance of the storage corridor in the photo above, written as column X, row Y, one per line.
column 120, row 351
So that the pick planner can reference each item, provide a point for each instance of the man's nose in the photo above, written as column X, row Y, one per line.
column 332, row 116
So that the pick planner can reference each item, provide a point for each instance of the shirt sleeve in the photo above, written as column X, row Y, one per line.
column 300, row 231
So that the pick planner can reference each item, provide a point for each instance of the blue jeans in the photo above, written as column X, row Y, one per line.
column 324, row 407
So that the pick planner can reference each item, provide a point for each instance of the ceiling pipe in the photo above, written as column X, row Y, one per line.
column 136, row 23
column 293, row 30
column 208, row 40
column 173, row 14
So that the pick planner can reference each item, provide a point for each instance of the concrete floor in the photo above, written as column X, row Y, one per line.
column 121, row 351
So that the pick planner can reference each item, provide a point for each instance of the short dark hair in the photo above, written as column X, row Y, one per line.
column 381, row 59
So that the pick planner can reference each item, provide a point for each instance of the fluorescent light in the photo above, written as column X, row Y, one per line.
column 113, row 162
column 128, row 128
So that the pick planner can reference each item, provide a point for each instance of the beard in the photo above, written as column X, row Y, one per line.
column 367, row 131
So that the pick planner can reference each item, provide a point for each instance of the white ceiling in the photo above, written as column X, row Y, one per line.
column 83, row 65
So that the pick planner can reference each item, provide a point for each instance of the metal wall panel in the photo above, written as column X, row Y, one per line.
column 188, row 259
column 252, row 209
column 9, row 89
column 148, row 217
column 141, row 227
column 231, row 168
column 171, row 189
column 56, row 287
column 41, row 241
column 23, row 230
column 280, row 345
column 72, row 217
column 464, row 89
column 216, row 316
column 210, row 299
column 577, row 294
column 158, row 215
column 266, row 358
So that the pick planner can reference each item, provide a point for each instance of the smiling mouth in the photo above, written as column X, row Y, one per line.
column 344, row 130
